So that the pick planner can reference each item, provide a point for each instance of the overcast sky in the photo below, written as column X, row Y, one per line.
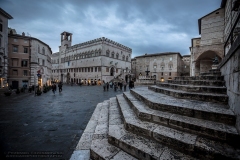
column 146, row 26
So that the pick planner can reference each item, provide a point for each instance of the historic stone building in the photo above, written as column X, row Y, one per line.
column 230, row 65
column 29, row 61
column 186, row 65
column 93, row 61
column 164, row 66
column 210, row 45
column 4, row 17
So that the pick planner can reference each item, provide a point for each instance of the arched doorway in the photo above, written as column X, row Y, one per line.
column 112, row 71
column 205, row 61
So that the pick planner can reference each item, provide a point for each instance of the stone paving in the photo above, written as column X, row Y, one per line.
column 49, row 123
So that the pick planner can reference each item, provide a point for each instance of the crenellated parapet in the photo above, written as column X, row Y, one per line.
column 99, row 41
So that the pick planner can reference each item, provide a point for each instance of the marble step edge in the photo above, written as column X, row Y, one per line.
column 82, row 150
column 222, row 115
column 177, row 140
column 100, row 148
column 200, row 78
column 198, row 82
column 135, row 145
column 210, row 97
column 205, row 128
column 194, row 88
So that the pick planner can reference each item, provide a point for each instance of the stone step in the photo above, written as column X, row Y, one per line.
column 210, row 97
column 100, row 148
column 198, row 82
column 205, row 128
column 95, row 136
column 211, row 74
column 191, row 108
column 177, row 139
column 221, row 78
column 82, row 151
column 195, row 88
column 137, row 146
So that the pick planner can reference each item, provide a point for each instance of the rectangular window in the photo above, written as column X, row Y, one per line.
column 95, row 69
column 15, row 48
column 25, row 50
column 43, row 62
column 91, row 69
column 116, row 70
column 88, row 69
column 170, row 74
column 82, row 69
column 25, row 73
column 1, row 27
column 68, row 63
column 162, row 73
column 15, row 72
column 99, row 69
column 38, row 61
column 107, row 69
column 85, row 69
column 24, row 63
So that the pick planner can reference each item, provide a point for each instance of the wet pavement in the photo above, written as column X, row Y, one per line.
column 49, row 125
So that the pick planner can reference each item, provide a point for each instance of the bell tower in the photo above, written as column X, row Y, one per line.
column 66, row 40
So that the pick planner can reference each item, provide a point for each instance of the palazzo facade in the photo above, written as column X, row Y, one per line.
column 163, row 66
column 91, row 62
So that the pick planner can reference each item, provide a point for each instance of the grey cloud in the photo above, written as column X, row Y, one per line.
column 129, row 22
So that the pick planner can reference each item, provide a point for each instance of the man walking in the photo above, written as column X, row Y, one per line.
column 60, row 86
column 54, row 87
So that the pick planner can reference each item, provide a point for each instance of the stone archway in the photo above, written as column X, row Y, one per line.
column 112, row 71
column 204, row 62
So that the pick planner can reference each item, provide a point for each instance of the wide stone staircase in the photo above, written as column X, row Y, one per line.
column 186, row 118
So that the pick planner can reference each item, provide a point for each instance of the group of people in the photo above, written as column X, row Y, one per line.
column 122, row 85
column 54, row 87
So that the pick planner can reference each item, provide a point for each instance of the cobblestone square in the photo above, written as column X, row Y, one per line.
column 48, row 123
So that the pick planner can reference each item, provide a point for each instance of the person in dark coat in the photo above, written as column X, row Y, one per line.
column 54, row 88
column 107, row 85
column 60, row 86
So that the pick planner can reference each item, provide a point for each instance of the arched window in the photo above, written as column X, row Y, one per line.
column 117, row 56
column 170, row 65
column 43, row 50
column 127, row 59
column 112, row 55
column 92, row 53
column 162, row 65
column 99, row 52
column 123, row 58
column 107, row 53
column 96, row 52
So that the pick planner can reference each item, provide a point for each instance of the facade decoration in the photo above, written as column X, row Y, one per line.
column 90, row 62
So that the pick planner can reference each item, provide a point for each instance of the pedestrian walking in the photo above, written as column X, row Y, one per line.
column 115, row 86
column 120, row 85
column 54, row 87
column 104, row 86
column 111, row 84
column 124, row 85
column 107, row 85
column 60, row 86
